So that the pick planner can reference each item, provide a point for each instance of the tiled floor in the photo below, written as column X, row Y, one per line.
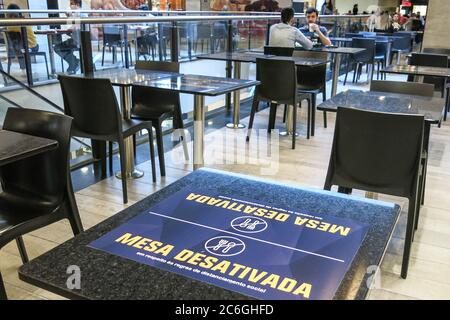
column 306, row 166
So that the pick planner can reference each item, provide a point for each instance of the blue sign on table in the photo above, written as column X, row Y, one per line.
column 241, row 245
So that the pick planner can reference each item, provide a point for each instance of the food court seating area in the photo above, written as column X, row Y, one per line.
column 383, row 147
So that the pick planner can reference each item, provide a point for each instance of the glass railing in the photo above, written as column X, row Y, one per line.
column 117, row 39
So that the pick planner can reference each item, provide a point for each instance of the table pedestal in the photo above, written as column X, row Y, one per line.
column 199, row 131
column 236, row 100
column 131, row 171
column 336, row 70
column 289, row 123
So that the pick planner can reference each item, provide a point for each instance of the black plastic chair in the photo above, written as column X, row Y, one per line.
column 15, row 50
column 37, row 191
column 96, row 115
column 401, row 44
column 381, row 51
column 146, row 44
column 443, row 51
column 279, row 51
column 157, row 106
column 312, row 80
column 113, row 39
column 410, row 88
column 431, row 60
column 359, row 59
column 383, row 161
column 278, row 86
column 204, row 34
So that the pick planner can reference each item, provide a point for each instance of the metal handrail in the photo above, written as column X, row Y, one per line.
column 146, row 12
column 124, row 20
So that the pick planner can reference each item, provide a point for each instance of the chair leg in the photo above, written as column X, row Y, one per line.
column 308, row 124
column 346, row 73
column 134, row 146
column 3, row 295
column 152, row 153
column 73, row 214
column 160, row 145
column 22, row 250
column 103, row 56
column 324, row 112
column 294, row 125
column 46, row 66
column 123, row 169
column 313, row 113
column 110, row 154
column 285, row 113
column 409, row 235
column 272, row 117
column 447, row 104
column 252, row 117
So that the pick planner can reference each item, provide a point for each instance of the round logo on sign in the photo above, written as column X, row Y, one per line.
column 225, row 246
column 249, row 224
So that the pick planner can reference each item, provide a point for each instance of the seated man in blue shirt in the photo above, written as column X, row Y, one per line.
column 312, row 30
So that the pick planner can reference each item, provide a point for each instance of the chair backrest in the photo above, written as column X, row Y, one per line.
column 429, row 60
column 204, row 31
column 279, row 51
column 310, row 54
column 377, row 152
column 367, row 55
column 411, row 88
column 402, row 43
column 143, row 97
column 46, row 174
column 278, row 81
column 311, row 77
column 352, row 35
column 381, row 45
column 445, row 51
column 93, row 105
column 111, row 34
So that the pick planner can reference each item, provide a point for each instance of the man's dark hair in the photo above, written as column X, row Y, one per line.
column 13, row 6
column 77, row 3
column 312, row 10
column 287, row 14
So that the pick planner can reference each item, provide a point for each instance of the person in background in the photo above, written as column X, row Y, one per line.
column 312, row 30
column 31, row 37
column 395, row 25
column 66, row 48
column 283, row 34
column 327, row 8
column 385, row 21
column 355, row 9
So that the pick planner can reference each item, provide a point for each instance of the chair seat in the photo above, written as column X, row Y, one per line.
column 19, row 206
column 143, row 112
column 380, row 58
column 132, row 126
column 307, row 89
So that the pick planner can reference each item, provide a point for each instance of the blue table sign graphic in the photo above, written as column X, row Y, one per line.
column 257, row 249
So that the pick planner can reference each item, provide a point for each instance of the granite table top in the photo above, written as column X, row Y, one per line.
column 170, row 81
column 106, row 276
column 431, row 108
column 15, row 146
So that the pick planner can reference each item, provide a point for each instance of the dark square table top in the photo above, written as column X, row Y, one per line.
column 431, row 108
column 418, row 71
column 337, row 50
column 107, row 276
column 244, row 56
column 16, row 146
column 126, row 77
column 170, row 81
column 251, row 56
column 198, row 84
